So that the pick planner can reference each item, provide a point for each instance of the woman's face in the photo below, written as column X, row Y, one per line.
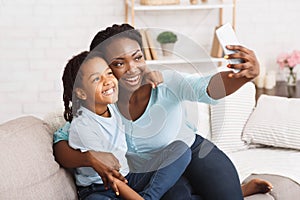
column 99, row 85
column 127, row 62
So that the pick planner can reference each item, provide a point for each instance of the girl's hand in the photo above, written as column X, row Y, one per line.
column 153, row 78
column 107, row 166
column 249, row 68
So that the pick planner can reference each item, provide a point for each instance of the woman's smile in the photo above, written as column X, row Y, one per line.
column 133, row 80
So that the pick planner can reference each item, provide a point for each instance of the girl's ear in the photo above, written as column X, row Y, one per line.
column 80, row 93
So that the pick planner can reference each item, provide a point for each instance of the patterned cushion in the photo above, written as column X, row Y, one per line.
column 274, row 122
column 229, row 117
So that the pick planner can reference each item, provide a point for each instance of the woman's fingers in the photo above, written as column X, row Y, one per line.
column 242, row 73
column 239, row 48
column 249, row 67
column 240, row 55
column 119, row 176
column 105, row 182
column 154, row 78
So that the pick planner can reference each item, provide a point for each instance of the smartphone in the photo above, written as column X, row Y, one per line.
column 227, row 36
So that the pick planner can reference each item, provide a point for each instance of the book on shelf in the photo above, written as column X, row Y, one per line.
column 216, row 49
column 146, row 49
column 151, row 44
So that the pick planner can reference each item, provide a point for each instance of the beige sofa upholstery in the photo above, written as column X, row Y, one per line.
column 28, row 169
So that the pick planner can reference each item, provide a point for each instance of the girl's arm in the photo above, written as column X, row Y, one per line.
column 126, row 192
column 105, row 164
column 233, row 81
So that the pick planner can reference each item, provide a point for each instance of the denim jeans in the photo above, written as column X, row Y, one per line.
column 95, row 191
column 210, row 176
column 152, row 181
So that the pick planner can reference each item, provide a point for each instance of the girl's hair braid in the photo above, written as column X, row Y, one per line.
column 72, row 79
column 69, row 78
column 118, row 31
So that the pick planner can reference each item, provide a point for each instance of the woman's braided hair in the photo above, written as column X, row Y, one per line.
column 116, row 31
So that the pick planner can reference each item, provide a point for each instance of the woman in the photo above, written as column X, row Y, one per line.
column 92, row 89
column 212, row 176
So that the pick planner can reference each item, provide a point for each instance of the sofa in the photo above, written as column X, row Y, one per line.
column 29, row 170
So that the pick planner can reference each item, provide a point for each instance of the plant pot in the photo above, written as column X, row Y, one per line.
column 167, row 49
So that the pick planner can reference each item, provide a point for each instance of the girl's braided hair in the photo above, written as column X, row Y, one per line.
column 72, row 78
column 116, row 31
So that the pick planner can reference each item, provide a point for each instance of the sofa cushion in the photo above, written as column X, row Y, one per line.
column 55, row 120
column 229, row 117
column 259, row 197
column 28, row 169
column 283, row 187
column 274, row 122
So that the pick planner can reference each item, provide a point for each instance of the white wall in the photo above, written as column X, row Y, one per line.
column 37, row 37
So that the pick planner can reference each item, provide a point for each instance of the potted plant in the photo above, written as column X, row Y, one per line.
column 167, row 40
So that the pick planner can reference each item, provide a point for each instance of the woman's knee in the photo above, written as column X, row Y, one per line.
column 211, row 172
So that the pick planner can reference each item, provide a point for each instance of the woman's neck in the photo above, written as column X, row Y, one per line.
column 124, row 96
column 133, row 104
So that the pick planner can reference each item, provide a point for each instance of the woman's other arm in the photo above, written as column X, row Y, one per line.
column 230, row 81
column 105, row 164
column 69, row 157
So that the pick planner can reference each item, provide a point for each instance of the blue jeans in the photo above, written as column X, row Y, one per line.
column 95, row 191
column 154, row 179
column 210, row 176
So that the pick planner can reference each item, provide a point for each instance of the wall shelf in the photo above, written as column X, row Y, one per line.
column 182, row 6
column 212, row 4
column 133, row 6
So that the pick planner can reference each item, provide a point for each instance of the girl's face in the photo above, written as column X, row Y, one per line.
column 127, row 62
column 99, row 86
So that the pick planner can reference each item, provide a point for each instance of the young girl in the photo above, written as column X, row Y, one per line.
column 91, row 87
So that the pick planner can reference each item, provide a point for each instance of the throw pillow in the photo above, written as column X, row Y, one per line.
column 274, row 122
column 54, row 120
column 229, row 117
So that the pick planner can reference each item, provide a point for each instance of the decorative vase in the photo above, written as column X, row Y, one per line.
column 291, row 77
